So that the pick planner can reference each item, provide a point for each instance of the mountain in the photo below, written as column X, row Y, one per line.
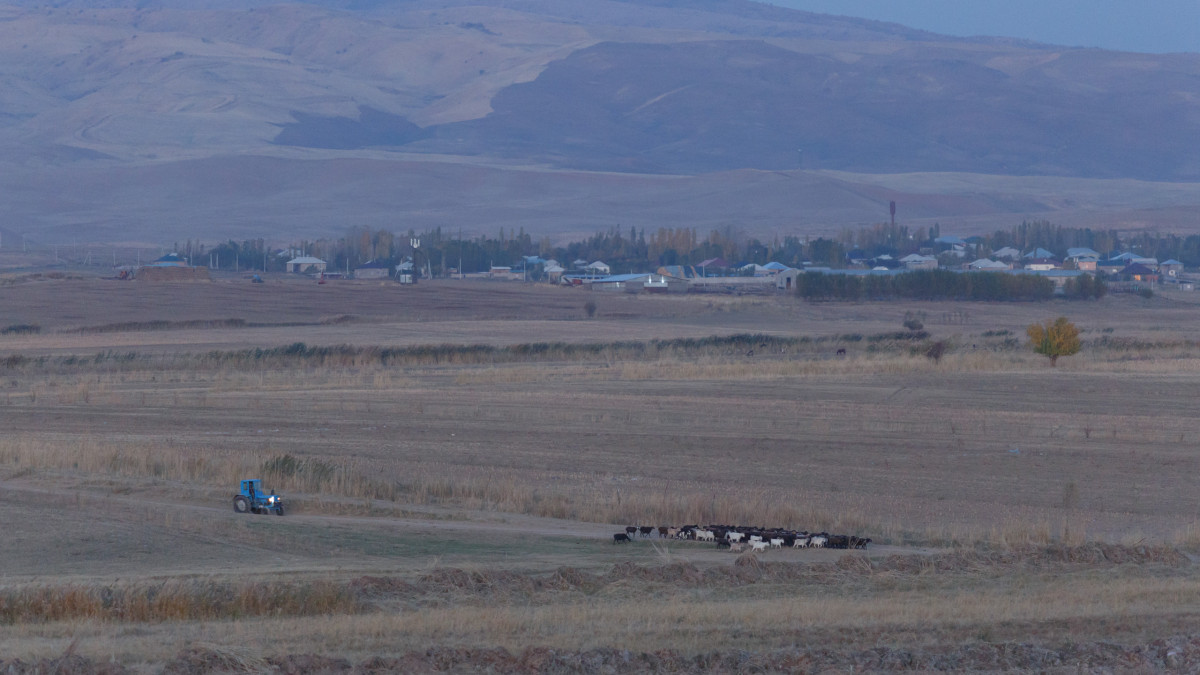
column 141, row 120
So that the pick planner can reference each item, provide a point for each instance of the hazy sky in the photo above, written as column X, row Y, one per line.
column 1129, row 25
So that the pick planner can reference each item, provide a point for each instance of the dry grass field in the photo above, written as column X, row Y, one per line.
column 452, row 508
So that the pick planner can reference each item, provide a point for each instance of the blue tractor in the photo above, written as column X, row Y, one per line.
column 252, row 499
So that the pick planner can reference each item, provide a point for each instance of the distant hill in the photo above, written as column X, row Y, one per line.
column 141, row 119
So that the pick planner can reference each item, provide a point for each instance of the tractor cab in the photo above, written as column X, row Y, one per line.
column 252, row 499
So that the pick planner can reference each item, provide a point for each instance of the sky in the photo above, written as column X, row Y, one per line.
column 1156, row 26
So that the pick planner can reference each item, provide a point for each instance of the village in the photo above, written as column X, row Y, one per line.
column 1121, row 272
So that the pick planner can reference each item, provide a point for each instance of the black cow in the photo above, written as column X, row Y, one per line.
column 645, row 530
column 620, row 538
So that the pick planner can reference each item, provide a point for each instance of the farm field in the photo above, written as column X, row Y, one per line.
column 453, row 507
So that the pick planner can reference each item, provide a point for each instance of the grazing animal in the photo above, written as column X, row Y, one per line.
column 841, row 351
column 755, row 537
column 620, row 538
column 737, row 547
column 759, row 545
column 838, row 541
column 663, row 531
column 776, row 543
column 859, row 542
column 818, row 541
column 646, row 530
column 672, row 532
column 705, row 535
column 721, row 543
column 631, row 530
column 801, row 542
column 734, row 536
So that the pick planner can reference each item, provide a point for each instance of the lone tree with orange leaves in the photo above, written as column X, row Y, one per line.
column 1053, row 340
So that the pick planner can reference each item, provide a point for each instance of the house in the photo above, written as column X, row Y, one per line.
column 1139, row 272
column 170, row 260
column 712, row 264
column 1170, row 268
column 786, row 280
column 754, row 269
column 1038, row 254
column 1076, row 253
column 598, row 268
column 371, row 270
column 503, row 272
column 914, row 261
column 1041, row 264
column 986, row 265
column 306, row 265
column 554, row 272
column 579, row 264
column 1007, row 253
column 775, row 267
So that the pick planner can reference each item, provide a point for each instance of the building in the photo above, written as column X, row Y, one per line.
column 306, row 265
column 628, row 283
column 915, row 261
column 1170, row 268
column 1139, row 272
column 1041, row 264
column 986, row 265
column 169, row 260
column 405, row 273
column 371, row 270
column 598, row 268
column 639, row 282
column 1007, row 253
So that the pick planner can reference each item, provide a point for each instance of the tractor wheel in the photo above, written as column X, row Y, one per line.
column 241, row 504
column 279, row 510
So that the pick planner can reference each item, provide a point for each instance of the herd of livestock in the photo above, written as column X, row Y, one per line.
column 740, row 538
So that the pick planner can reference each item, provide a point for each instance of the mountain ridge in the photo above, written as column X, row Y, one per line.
column 587, row 89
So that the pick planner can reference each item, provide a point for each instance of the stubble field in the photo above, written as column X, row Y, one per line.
column 453, row 506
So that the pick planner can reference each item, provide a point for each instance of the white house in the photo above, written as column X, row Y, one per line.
column 598, row 268
column 986, row 265
column 914, row 261
column 306, row 265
